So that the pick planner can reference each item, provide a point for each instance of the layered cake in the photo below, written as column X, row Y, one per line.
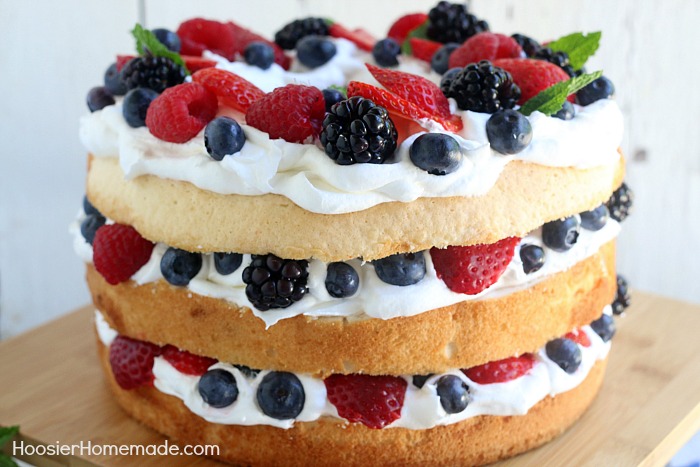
column 351, row 250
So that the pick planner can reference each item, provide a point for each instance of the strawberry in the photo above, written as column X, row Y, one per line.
column 423, row 49
column 185, row 362
column 404, row 25
column 199, row 34
column 132, row 362
column 578, row 336
column 374, row 401
column 485, row 46
column 293, row 113
column 118, row 251
column 180, row 112
column 359, row 37
column 501, row 371
column 232, row 90
column 472, row 269
column 532, row 76
column 242, row 37
column 191, row 62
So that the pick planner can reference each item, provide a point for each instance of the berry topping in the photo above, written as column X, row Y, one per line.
column 472, row 269
column 560, row 59
column 274, row 282
column 374, row 401
column 386, row 52
column 357, row 130
column 88, row 208
column 281, row 395
column 179, row 266
column 227, row 263
column 482, row 87
column 259, row 54
column 341, row 280
column 157, row 73
column 420, row 380
column 223, row 136
column 242, row 37
column 532, row 257
column 168, row 38
column 602, row 88
column 436, row 153
column 98, row 98
column 423, row 49
column 185, row 362
column 119, row 251
column 508, row 131
column 218, row 388
column 578, row 336
column 441, row 58
column 565, row 353
column 247, row 371
column 620, row 203
column 315, row 51
column 113, row 81
column 595, row 219
column 291, row 33
column 501, row 371
column 453, row 393
column 177, row 115
column 404, row 25
column 401, row 269
column 450, row 22
column 529, row 45
column 136, row 104
column 604, row 327
column 485, row 46
column 192, row 63
column 358, row 37
column 89, row 226
column 232, row 90
column 567, row 111
column 622, row 297
column 531, row 76
column 198, row 35
column 561, row 235
column 331, row 97
column 293, row 113
column 132, row 362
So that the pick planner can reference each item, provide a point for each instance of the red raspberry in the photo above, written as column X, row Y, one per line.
column 191, row 62
column 180, row 112
column 404, row 25
column 232, row 90
column 423, row 49
column 501, row 371
column 472, row 269
column 118, row 251
column 532, row 76
column 293, row 113
column 374, row 401
column 580, row 337
column 199, row 34
column 242, row 37
column 485, row 46
column 132, row 362
column 359, row 37
column 186, row 362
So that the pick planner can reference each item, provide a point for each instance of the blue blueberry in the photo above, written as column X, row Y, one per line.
column 136, row 104
column 314, row 51
column 508, row 131
column 218, row 388
column 89, row 226
column 595, row 219
column 88, row 208
column 436, row 153
column 453, row 393
column 247, row 371
column 179, row 266
column 565, row 353
column 441, row 57
column 98, row 98
column 401, row 269
column 227, row 263
column 419, row 380
column 113, row 81
column 259, row 54
column 168, row 38
column 602, row 88
column 281, row 395
column 386, row 52
column 567, row 111
column 562, row 234
column 532, row 257
column 332, row 96
column 604, row 327
column 223, row 136
column 341, row 280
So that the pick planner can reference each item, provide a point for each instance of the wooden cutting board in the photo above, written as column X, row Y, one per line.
column 51, row 385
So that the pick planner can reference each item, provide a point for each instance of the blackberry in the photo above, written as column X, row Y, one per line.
column 482, row 87
column 622, row 297
column 620, row 203
column 289, row 35
column 275, row 282
column 529, row 45
column 357, row 130
column 157, row 73
column 560, row 59
column 451, row 22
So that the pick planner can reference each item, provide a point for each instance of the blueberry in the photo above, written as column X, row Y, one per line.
column 436, row 153
column 259, row 54
column 281, row 395
column 532, row 257
column 441, row 57
column 602, row 88
column 227, row 263
column 168, row 38
column 386, row 51
column 247, row 371
column 595, row 219
column 567, row 111
column 223, row 136
column 509, row 131
column 332, row 96
column 565, row 353
column 314, row 51
column 453, row 393
column 113, row 81
column 341, row 280
column 562, row 234
column 98, row 98
column 401, row 269
column 88, row 208
column 179, row 266
column 604, row 327
column 136, row 104
column 419, row 380
column 89, row 226
column 218, row 388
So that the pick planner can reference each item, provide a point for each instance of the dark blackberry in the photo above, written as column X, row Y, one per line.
column 482, row 87
column 620, row 203
column 289, row 35
column 451, row 22
column 275, row 282
column 529, row 45
column 157, row 73
column 357, row 130
column 560, row 59
column 622, row 297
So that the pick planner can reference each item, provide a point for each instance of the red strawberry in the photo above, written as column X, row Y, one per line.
column 404, row 25
column 180, row 112
column 186, row 362
column 501, row 371
column 191, row 62
column 424, row 49
column 293, row 113
column 199, row 34
column 360, row 38
column 232, row 90
column 132, row 362
column 485, row 46
column 242, row 37
column 374, row 401
column 471, row 269
column 580, row 337
column 118, row 251
column 532, row 76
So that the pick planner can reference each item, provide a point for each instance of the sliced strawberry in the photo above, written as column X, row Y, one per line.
column 232, row 90
column 423, row 49
column 186, row 362
column 132, row 362
column 242, row 37
column 532, row 76
column 485, row 46
column 501, row 371
column 580, row 337
column 360, row 39
column 404, row 25
column 192, row 62
column 374, row 401
column 199, row 34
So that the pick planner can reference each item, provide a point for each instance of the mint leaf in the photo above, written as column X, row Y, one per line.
column 7, row 432
column 551, row 99
column 145, row 39
column 578, row 46
column 421, row 32
column 7, row 461
column 342, row 89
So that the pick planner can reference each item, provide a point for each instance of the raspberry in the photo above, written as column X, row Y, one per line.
column 424, row 49
column 186, row 362
column 199, row 34
column 359, row 37
column 532, row 76
column 501, row 371
column 177, row 115
column 232, row 90
column 374, row 401
column 242, row 37
column 119, row 251
column 293, row 113
column 472, row 269
column 485, row 46
column 404, row 25
column 578, row 336
column 132, row 362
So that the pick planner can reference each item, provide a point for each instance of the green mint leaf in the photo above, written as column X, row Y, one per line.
column 145, row 39
column 7, row 461
column 578, row 46
column 342, row 89
column 551, row 99
column 421, row 32
column 7, row 432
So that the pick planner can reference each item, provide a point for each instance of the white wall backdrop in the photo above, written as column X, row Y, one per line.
column 52, row 52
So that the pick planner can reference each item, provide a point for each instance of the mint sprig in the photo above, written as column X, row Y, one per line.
column 145, row 39
column 578, row 46
column 6, row 434
column 421, row 32
column 551, row 99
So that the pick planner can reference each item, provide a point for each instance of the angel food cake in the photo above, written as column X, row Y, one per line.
column 351, row 250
